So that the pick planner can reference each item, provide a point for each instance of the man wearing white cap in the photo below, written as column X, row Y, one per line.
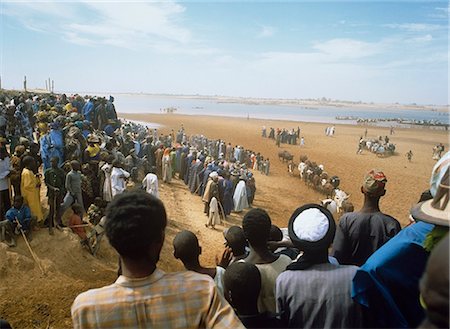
column 313, row 293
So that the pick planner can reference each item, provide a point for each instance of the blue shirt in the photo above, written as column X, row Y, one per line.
column 388, row 283
column 23, row 215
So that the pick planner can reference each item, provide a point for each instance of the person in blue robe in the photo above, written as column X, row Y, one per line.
column 52, row 145
column 88, row 110
column 387, row 285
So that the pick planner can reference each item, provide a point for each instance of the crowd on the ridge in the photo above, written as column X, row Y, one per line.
column 377, row 274
column 88, row 156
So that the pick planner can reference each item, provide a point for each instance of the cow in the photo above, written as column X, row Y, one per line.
column 330, row 205
column 285, row 156
column 340, row 197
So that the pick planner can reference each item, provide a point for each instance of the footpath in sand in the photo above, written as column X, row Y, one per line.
column 34, row 300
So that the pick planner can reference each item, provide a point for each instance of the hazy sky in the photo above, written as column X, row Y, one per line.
column 369, row 51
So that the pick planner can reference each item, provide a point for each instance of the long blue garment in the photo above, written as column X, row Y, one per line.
column 387, row 285
column 52, row 144
column 88, row 110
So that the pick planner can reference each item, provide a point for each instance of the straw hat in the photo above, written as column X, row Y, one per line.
column 437, row 210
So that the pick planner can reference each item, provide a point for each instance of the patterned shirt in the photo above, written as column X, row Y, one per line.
column 161, row 300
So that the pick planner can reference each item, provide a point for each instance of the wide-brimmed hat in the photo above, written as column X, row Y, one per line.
column 311, row 227
column 437, row 210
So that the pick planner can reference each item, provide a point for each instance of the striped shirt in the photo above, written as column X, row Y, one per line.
column 161, row 300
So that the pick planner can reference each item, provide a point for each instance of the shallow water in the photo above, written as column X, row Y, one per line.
column 154, row 104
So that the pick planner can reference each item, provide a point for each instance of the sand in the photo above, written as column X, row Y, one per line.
column 32, row 300
column 280, row 193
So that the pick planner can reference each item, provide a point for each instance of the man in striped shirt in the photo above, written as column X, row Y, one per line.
column 144, row 296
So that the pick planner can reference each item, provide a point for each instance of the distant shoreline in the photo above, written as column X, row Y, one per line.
column 307, row 103
column 313, row 103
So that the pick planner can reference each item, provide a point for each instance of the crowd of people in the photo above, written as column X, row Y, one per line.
column 377, row 274
column 284, row 136
column 87, row 156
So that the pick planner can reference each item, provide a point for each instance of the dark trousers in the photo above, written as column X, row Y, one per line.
column 54, row 216
column 5, row 203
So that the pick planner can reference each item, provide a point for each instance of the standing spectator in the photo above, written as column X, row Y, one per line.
column 73, row 187
column 360, row 234
column 5, row 201
column 106, row 168
column 118, row 178
column 256, row 225
column 55, row 179
column 242, row 283
column 30, row 188
column 16, row 168
column 312, row 292
column 187, row 249
column 144, row 296
column 150, row 183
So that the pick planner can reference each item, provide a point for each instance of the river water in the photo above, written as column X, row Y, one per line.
column 142, row 103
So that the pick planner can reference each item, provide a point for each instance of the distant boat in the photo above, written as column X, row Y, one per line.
column 198, row 108
column 169, row 109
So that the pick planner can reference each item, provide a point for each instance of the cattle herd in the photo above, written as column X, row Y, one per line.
column 314, row 176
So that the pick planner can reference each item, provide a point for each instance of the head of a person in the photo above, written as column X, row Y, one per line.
column 135, row 226
column 434, row 287
column 373, row 185
column 29, row 162
column 214, row 176
column 242, row 284
column 54, row 162
column 235, row 239
column 186, row 247
column 275, row 234
column 75, row 165
column 312, row 229
column 18, row 201
column 256, row 225
column 116, row 163
column 77, row 209
column 19, row 150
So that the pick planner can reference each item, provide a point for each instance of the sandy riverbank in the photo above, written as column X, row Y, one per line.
column 281, row 194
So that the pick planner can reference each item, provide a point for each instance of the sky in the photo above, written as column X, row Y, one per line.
column 370, row 51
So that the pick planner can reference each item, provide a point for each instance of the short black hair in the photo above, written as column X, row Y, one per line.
column 235, row 239
column 186, row 246
column 256, row 225
column 243, row 280
column 275, row 233
column 135, row 220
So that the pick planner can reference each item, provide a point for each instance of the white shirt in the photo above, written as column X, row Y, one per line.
column 118, row 183
column 150, row 183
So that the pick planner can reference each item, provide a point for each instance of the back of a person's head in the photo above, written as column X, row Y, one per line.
column 275, row 233
column 256, row 225
column 236, row 240
column 135, row 220
column 242, row 284
column 434, row 287
column 186, row 247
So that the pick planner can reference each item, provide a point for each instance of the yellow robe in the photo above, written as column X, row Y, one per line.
column 31, row 193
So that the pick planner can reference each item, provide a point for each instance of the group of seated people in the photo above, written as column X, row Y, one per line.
column 403, row 282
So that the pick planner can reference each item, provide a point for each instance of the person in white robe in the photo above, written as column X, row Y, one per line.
column 118, row 178
column 240, row 196
column 150, row 184
column 107, row 189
